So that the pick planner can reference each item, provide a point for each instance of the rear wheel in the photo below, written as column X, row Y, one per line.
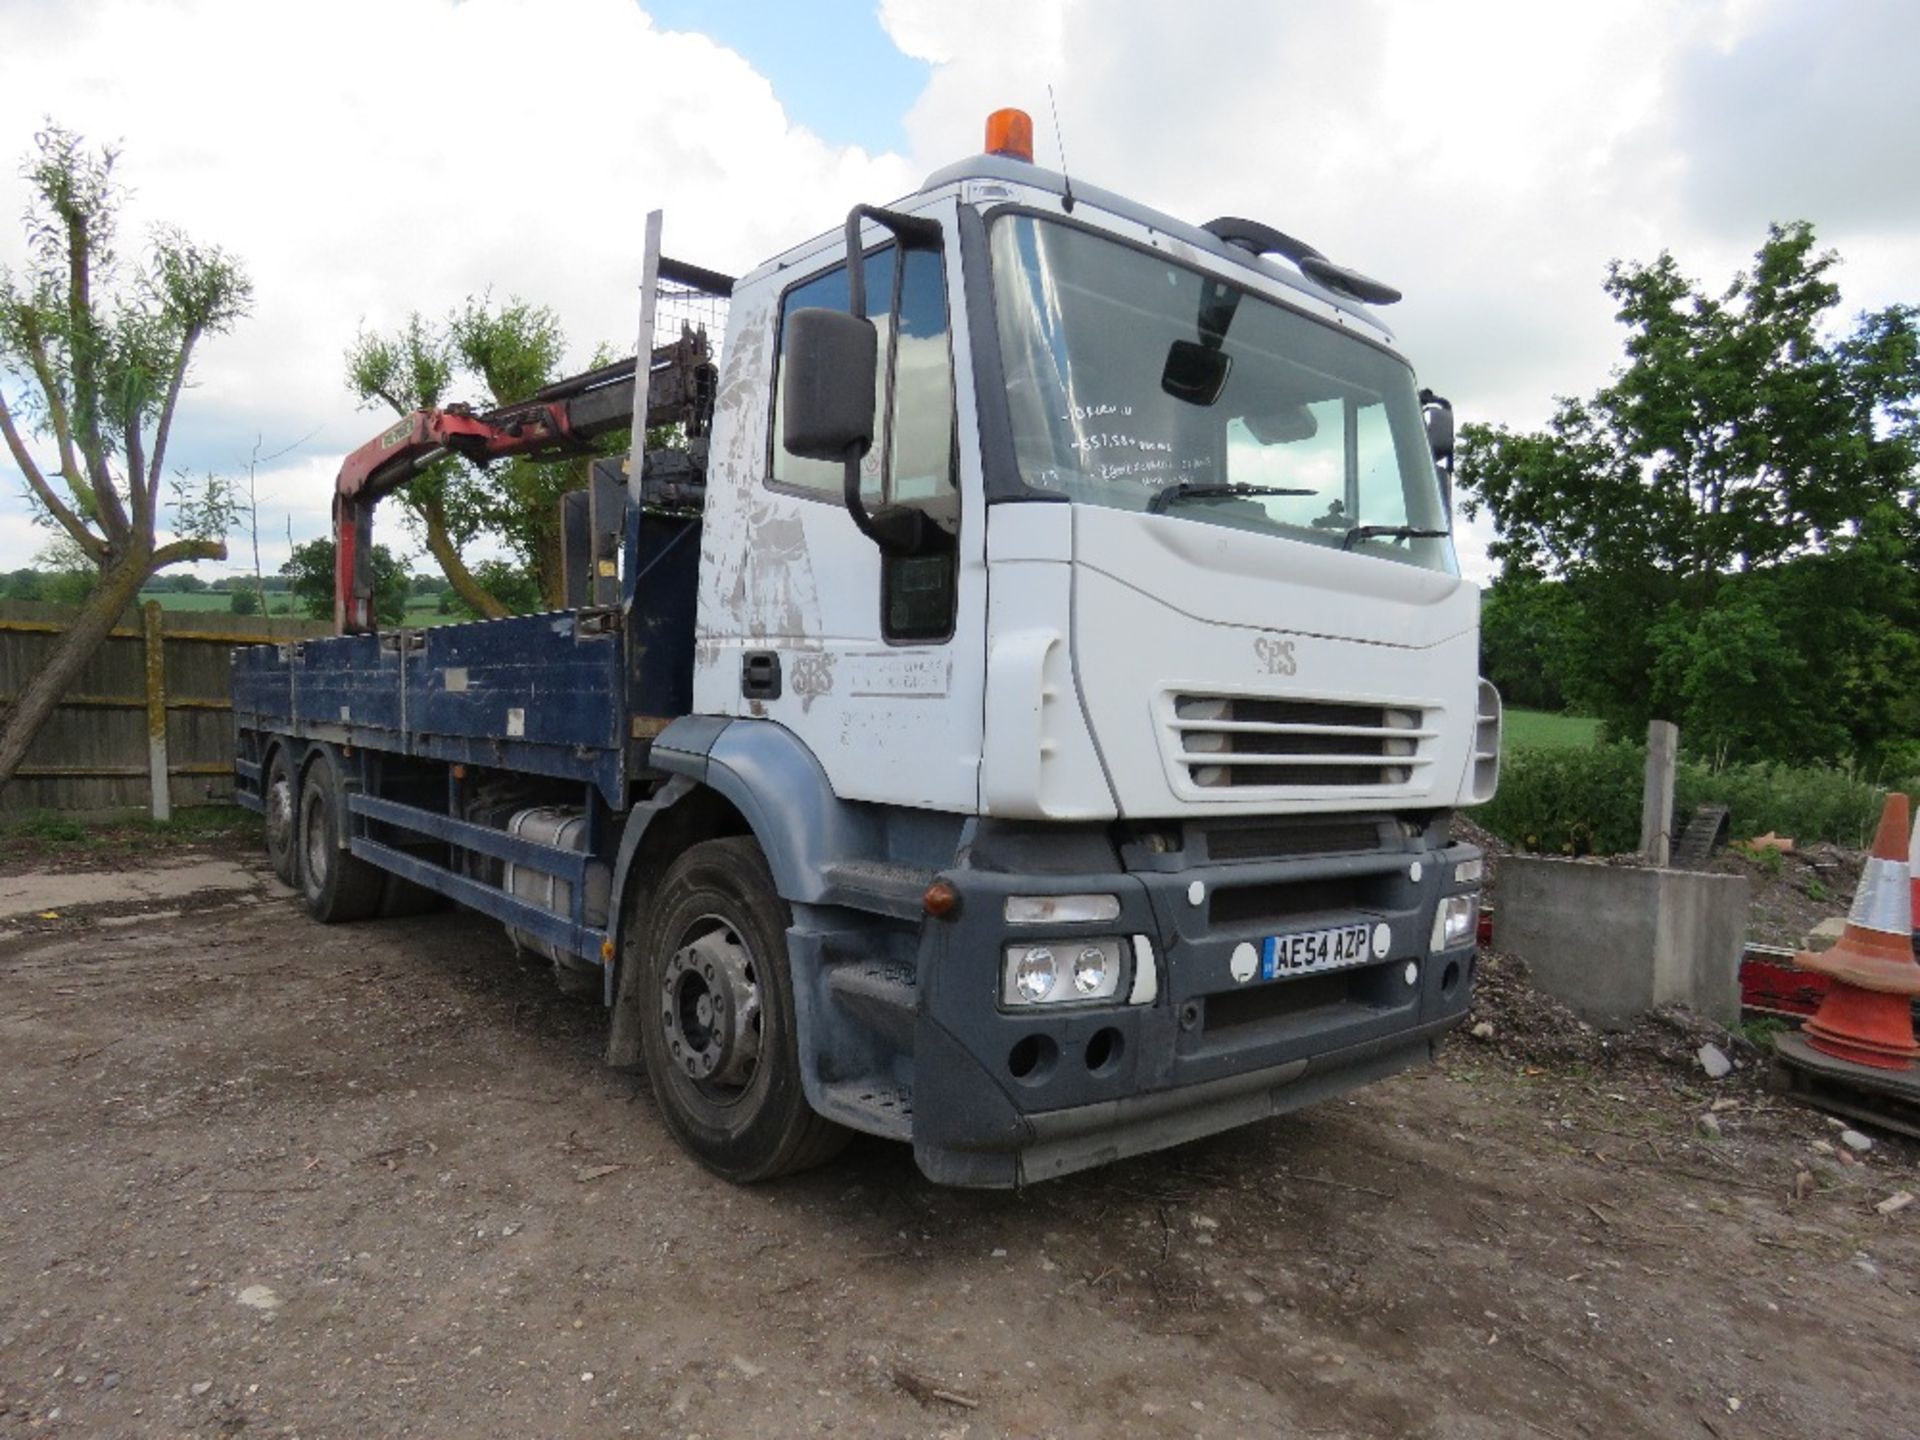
column 719, row 1039
column 283, row 850
column 335, row 885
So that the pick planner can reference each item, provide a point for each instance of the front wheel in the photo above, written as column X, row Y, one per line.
column 721, row 1048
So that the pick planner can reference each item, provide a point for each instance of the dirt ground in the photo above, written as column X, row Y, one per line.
column 262, row 1177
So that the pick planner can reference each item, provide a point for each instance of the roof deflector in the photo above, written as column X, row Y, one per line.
column 1258, row 239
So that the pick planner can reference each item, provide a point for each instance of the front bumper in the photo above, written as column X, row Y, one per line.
column 1209, row 1051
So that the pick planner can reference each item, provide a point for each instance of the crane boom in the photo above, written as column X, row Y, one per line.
column 565, row 418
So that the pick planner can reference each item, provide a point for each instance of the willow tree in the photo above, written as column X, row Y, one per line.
column 500, row 355
column 94, row 356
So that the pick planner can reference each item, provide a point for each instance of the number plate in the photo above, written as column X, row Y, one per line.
column 1310, row 950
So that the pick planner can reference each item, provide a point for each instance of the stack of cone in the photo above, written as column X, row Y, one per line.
column 1867, row 1016
column 1913, row 870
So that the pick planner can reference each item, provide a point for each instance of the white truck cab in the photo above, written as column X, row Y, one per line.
column 1140, row 606
column 1180, row 587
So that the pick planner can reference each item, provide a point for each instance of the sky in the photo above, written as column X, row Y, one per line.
column 369, row 158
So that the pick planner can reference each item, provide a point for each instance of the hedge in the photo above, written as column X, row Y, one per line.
column 1579, row 802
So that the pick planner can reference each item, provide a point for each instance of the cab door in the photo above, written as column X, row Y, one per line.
column 874, row 660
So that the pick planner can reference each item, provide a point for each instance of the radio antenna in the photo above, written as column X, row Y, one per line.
column 1059, row 140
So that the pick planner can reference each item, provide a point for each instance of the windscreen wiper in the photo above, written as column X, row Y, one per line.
column 1188, row 490
column 1390, row 532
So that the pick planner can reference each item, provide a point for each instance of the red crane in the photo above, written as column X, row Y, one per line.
column 564, row 419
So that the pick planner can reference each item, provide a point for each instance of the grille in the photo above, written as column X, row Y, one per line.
column 1282, row 842
column 1260, row 1004
column 1241, row 741
column 1266, row 907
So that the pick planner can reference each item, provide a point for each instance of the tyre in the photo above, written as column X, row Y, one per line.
column 283, row 849
column 718, row 1033
column 334, row 885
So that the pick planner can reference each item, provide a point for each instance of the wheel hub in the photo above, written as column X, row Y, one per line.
column 710, row 1007
column 318, row 861
column 280, row 817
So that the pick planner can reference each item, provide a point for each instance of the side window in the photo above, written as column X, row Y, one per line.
column 920, row 458
column 916, row 448
column 912, row 462
column 829, row 292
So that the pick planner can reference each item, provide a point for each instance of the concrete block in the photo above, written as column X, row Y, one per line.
column 1614, row 941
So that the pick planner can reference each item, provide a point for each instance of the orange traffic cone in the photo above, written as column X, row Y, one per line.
column 1913, row 870
column 1867, row 1016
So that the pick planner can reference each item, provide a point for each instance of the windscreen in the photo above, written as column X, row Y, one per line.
column 1142, row 384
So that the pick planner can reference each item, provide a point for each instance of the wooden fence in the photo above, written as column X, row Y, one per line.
column 155, row 698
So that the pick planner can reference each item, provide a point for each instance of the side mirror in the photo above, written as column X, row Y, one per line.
column 832, row 360
column 1439, row 416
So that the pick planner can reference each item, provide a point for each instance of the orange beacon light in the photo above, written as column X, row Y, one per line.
column 1010, row 133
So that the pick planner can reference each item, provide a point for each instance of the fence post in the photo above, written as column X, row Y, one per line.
column 1656, row 805
column 157, row 710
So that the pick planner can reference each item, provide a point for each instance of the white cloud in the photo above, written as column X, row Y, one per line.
column 370, row 157
column 1489, row 159
column 374, row 156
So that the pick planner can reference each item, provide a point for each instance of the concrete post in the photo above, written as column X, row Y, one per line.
column 156, row 710
column 1656, row 805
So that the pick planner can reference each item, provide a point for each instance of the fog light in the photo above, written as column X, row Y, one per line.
column 1088, row 971
column 1061, row 909
column 1034, row 974
column 1453, row 921
column 1468, row 872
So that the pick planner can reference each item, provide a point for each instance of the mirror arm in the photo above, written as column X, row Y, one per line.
column 898, row 532
column 896, row 529
column 912, row 231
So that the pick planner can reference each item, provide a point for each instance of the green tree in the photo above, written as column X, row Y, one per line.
column 309, row 572
column 245, row 601
column 516, row 590
column 69, row 587
column 1810, row 660
column 1742, row 437
column 1523, row 629
column 94, row 356
column 498, row 355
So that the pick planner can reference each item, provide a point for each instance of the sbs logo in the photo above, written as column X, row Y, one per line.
column 1275, row 655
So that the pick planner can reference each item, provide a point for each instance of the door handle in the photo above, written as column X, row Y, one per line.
column 760, row 675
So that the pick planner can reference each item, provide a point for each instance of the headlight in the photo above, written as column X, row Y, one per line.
column 1468, row 872
column 1453, row 921
column 1094, row 972
column 1032, row 976
column 1062, row 972
column 1061, row 909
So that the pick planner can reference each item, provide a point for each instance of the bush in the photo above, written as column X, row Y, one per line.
column 1807, row 804
column 1580, row 802
column 1569, row 801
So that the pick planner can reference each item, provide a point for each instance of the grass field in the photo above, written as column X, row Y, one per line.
column 210, row 600
column 421, row 609
column 1543, row 730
